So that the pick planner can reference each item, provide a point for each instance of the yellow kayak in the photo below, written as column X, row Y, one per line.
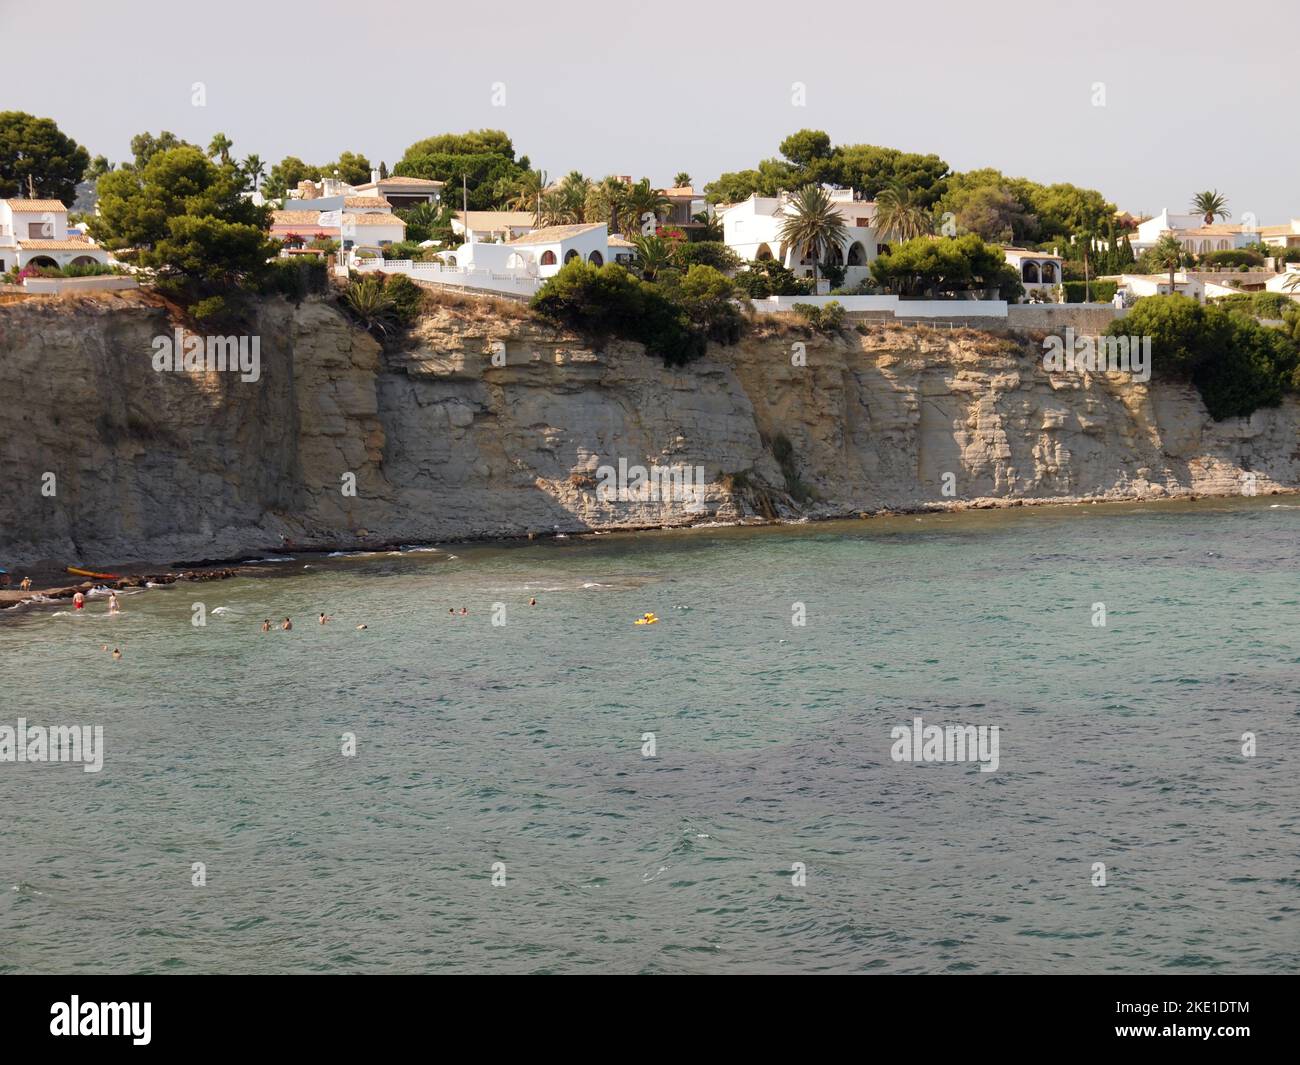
column 92, row 573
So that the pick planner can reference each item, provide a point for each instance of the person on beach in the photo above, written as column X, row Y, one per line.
column 78, row 601
column 266, row 625
column 113, row 607
column 286, row 624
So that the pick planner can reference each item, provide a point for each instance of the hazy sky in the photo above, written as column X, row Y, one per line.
column 1196, row 92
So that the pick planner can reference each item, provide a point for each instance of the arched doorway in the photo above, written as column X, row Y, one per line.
column 596, row 259
column 570, row 255
column 1049, row 273
column 1029, row 273
column 763, row 254
column 43, row 261
column 83, row 260
column 857, row 254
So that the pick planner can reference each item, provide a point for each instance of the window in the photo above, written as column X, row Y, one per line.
column 570, row 255
column 596, row 259
column 548, row 258
column 40, row 230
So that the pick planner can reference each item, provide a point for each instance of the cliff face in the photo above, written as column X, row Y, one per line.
column 491, row 425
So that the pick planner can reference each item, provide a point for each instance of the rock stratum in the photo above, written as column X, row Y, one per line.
column 444, row 441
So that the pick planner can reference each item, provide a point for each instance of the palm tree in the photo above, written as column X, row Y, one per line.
column 523, row 192
column 609, row 200
column 220, row 146
column 643, row 200
column 254, row 170
column 681, row 179
column 1168, row 254
column 371, row 305
column 1211, row 204
column 813, row 225
column 713, row 229
column 655, row 254
column 900, row 215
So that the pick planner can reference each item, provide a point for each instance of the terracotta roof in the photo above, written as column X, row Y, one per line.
column 554, row 234
column 37, row 205
column 365, row 201
column 295, row 218
column 493, row 220
column 620, row 242
column 1211, row 231
column 372, row 220
column 410, row 182
column 57, row 245
column 1275, row 231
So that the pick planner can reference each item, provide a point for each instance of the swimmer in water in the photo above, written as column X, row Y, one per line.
column 532, row 600
column 79, row 601
column 286, row 624
column 451, row 610
column 117, row 655
column 266, row 625
column 363, row 626
column 464, row 613
column 326, row 617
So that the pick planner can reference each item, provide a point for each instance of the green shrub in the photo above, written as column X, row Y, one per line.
column 1236, row 364
column 1099, row 291
column 783, row 452
column 407, row 296
column 1242, row 257
column 295, row 277
column 827, row 318
column 769, row 278
column 211, row 309
column 708, row 298
column 607, row 302
column 704, row 253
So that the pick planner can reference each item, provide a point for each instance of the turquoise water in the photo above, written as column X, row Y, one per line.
column 522, row 744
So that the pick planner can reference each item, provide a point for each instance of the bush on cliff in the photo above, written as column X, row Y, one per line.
column 607, row 302
column 945, row 267
column 1236, row 364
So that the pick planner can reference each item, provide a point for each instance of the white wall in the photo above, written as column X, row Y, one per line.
column 899, row 308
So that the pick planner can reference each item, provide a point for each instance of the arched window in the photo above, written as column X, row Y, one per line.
column 1049, row 273
column 570, row 255
column 1029, row 273
column 548, row 257
column 763, row 253
column 596, row 259
column 857, row 254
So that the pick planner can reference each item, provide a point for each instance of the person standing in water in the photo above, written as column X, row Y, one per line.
column 266, row 625
column 113, row 607
column 326, row 617
column 117, row 655
column 78, row 601
column 286, row 624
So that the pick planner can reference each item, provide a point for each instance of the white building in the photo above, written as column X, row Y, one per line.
column 370, row 231
column 1138, row 285
column 1191, row 231
column 752, row 229
column 36, row 232
column 1039, row 271
column 401, row 192
column 1284, row 236
column 539, row 254
column 366, row 223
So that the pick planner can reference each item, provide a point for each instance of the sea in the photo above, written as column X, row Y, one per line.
column 551, row 788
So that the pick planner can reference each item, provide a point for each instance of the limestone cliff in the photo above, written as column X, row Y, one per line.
column 487, row 424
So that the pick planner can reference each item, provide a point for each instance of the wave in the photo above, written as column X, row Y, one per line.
column 278, row 558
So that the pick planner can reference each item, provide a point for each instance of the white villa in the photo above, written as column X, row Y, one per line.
column 539, row 254
column 1284, row 236
column 1192, row 232
column 1039, row 271
column 1137, row 285
column 366, row 223
column 752, row 230
column 36, row 232
column 401, row 192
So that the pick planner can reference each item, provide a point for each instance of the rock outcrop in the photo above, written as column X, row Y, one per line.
column 490, row 424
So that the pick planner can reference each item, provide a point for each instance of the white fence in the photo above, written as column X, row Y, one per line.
column 94, row 283
column 899, row 308
column 510, row 284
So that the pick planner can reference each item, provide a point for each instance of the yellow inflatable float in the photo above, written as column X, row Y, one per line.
column 646, row 619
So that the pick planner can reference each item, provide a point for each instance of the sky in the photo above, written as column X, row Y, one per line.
column 1148, row 102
